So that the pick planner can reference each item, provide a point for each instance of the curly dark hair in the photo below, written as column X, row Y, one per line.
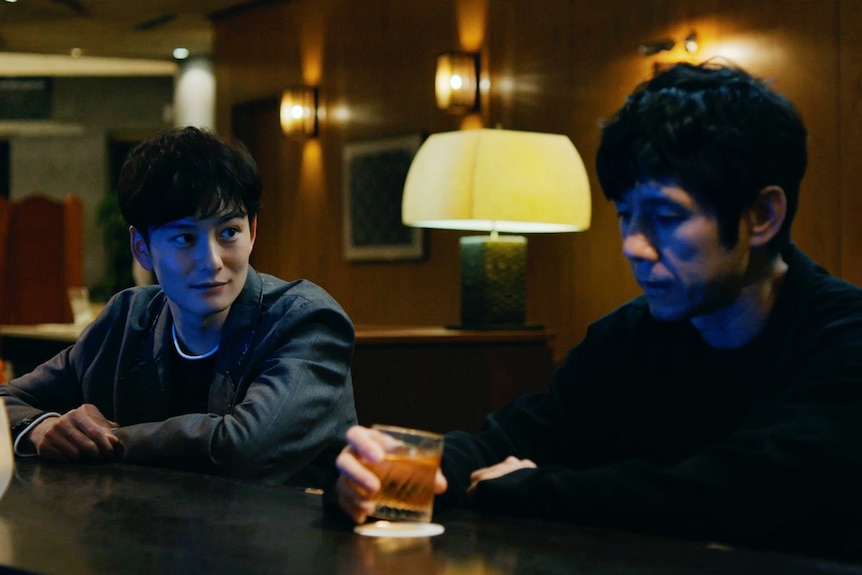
column 184, row 172
column 715, row 131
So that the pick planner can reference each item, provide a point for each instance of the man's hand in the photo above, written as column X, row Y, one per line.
column 82, row 433
column 357, row 486
column 505, row 467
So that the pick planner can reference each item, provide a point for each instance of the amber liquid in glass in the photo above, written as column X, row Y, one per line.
column 407, row 486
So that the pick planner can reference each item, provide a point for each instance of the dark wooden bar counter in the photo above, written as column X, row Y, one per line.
column 117, row 519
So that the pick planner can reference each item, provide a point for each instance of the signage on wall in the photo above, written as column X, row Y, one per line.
column 25, row 98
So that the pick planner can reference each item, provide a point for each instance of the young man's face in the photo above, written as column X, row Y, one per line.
column 676, row 255
column 201, row 264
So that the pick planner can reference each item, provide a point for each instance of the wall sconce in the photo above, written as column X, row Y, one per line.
column 651, row 48
column 457, row 82
column 690, row 44
column 298, row 111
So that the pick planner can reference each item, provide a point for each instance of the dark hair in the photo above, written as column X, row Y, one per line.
column 184, row 172
column 715, row 131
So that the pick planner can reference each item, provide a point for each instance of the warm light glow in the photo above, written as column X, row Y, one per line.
column 471, row 16
column 497, row 180
column 740, row 51
column 311, row 25
column 312, row 180
column 472, row 122
column 299, row 111
column 691, row 43
column 457, row 82
column 340, row 114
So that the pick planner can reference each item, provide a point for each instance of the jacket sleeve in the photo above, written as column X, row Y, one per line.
column 50, row 387
column 294, row 401
column 55, row 386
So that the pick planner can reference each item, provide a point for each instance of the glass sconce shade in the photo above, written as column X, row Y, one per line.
column 457, row 82
column 298, row 111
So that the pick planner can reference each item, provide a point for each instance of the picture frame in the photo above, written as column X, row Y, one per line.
column 373, row 183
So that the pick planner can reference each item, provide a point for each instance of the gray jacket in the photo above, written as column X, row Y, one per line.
column 281, row 396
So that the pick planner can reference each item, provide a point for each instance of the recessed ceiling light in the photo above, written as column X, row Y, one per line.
column 11, row 1
column 181, row 53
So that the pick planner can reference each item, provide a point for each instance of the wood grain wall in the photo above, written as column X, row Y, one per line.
column 552, row 66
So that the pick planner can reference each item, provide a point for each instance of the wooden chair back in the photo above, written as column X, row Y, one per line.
column 43, row 258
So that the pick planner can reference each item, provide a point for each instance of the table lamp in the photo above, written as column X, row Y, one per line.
column 496, row 181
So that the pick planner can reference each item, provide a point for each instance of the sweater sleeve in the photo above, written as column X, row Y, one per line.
column 783, row 474
column 559, row 426
column 783, row 471
column 787, row 477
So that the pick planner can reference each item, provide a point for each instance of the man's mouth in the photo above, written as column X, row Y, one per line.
column 652, row 286
column 208, row 285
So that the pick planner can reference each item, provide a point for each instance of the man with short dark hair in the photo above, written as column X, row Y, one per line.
column 723, row 403
column 218, row 368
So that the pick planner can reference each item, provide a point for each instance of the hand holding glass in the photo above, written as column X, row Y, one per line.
column 407, row 473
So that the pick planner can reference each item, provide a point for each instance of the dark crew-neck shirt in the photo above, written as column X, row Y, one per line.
column 190, row 383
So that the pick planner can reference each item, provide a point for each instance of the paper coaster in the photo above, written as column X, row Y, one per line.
column 399, row 529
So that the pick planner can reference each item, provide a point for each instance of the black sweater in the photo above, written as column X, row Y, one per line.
column 646, row 427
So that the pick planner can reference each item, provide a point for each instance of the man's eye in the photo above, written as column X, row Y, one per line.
column 669, row 217
column 183, row 239
column 230, row 232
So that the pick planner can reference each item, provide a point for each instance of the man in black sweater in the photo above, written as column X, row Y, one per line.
column 725, row 403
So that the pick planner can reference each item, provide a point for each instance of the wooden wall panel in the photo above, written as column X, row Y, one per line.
column 850, row 143
column 555, row 66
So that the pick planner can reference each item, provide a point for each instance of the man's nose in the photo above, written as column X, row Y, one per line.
column 210, row 255
column 637, row 244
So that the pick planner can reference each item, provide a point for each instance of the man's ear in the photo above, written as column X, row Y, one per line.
column 140, row 249
column 766, row 215
column 253, row 229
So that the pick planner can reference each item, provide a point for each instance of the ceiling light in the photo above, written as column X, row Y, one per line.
column 181, row 53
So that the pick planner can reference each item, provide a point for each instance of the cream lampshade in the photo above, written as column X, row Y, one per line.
column 496, row 181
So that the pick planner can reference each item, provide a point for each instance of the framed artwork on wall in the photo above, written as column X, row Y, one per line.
column 373, row 182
